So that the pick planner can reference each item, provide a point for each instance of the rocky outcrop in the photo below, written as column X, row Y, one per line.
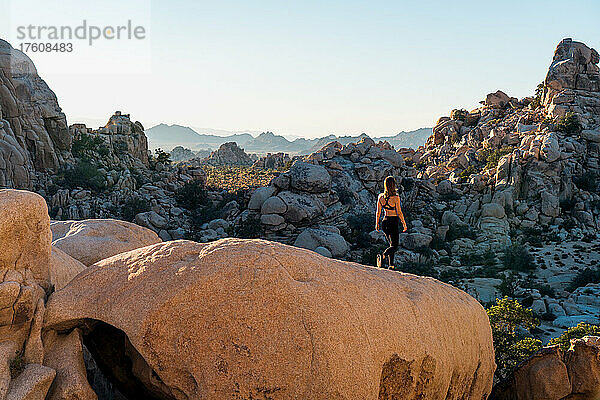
column 341, row 330
column 25, row 234
column 273, row 161
column 33, row 130
column 89, row 241
column 553, row 374
column 228, row 154
column 125, row 143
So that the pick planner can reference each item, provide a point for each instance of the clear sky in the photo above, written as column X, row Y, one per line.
column 306, row 67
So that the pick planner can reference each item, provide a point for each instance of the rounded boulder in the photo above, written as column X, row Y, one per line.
column 249, row 318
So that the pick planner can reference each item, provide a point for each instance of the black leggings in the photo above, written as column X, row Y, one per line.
column 390, row 228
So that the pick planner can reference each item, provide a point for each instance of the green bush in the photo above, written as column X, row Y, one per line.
column 85, row 175
column 162, row 156
column 568, row 124
column 133, row 207
column 417, row 268
column 251, row 228
column 576, row 332
column 17, row 364
column 191, row 195
column 518, row 258
column 539, row 93
column 357, row 232
column 84, row 146
column 583, row 277
column 491, row 157
column 507, row 319
column 467, row 172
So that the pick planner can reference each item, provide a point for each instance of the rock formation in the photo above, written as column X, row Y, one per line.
column 305, row 326
column 553, row 374
column 33, row 130
column 89, row 241
column 228, row 154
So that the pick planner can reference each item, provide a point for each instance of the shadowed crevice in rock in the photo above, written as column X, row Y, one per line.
column 122, row 365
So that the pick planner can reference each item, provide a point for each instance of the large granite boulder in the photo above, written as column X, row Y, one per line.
column 254, row 319
column 92, row 240
column 554, row 374
column 33, row 130
column 25, row 234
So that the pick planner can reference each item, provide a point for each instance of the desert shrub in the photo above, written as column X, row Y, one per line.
column 533, row 236
column 460, row 231
column 517, row 258
column 191, row 195
column 492, row 157
column 467, row 172
column 584, row 277
column 507, row 319
column 85, row 175
column 251, row 228
column 576, row 332
column 586, row 181
column 133, row 207
column 459, row 115
column 162, row 156
column 17, row 364
column 417, row 268
column 568, row 124
column 369, row 257
column 508, row 285
column 539, row 93
column 84, row 146
column 357, row 231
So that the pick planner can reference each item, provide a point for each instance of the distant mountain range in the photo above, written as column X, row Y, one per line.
column 169, row 136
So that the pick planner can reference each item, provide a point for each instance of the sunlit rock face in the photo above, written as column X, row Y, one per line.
column 33, row 130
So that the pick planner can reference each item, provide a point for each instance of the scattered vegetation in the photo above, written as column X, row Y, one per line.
column 491, row 157
column 17, row 364
column 191, row 195
column 568, row 124
column 509, row 320
column 576, row 332
column 539, row 93
column 84, row 146
column 234, row 178
column 162, row 156
column 584, row 277
column 250, row 228
column 417, row 268
column 467, row 172
column 459, row 114
column 357, row 231
column 517, row 258
column 85, row 175
column 133, row 207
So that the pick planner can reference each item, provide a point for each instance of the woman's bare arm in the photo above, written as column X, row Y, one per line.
column 400, row 214
column 378, row 214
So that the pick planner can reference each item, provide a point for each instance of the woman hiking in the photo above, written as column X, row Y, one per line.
column 390, row 202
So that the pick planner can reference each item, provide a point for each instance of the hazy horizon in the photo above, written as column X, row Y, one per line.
column 306, row 69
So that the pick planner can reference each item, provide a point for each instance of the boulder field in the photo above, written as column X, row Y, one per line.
column 231, row 319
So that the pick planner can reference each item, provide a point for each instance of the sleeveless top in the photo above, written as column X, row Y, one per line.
column 387, row 205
